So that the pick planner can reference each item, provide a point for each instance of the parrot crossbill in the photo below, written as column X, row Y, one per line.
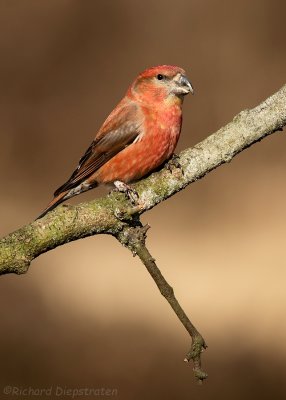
column 138, row 136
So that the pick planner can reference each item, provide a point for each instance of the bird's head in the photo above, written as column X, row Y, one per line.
column 165, row 83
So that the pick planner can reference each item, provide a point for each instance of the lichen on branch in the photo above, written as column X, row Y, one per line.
column 115, row 215
column 68, row 223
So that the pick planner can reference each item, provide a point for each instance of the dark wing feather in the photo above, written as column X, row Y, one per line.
column 119, row 130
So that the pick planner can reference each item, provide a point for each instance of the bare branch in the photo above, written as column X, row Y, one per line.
column 114, row 215
column 134, row 238
column 68, row 223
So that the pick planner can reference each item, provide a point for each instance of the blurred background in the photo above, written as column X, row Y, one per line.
column 87, row 314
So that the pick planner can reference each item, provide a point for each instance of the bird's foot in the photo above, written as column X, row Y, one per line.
column 130, row 193
column 174, row 163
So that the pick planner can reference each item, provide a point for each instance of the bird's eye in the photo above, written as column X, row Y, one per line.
column 160, row 77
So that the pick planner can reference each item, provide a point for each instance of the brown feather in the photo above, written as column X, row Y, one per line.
column 114, row 136
column 54, row 203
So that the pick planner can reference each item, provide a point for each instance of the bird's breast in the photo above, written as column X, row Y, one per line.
column 162, row 131
column 155, row 144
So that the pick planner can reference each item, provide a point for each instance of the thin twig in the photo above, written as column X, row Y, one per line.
column 113, row 215
column 135, row 239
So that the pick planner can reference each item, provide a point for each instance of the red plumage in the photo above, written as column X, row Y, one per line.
column 137, row 137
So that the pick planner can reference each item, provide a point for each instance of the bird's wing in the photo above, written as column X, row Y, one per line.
column 120, row 129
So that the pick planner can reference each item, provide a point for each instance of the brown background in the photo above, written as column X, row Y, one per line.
column 87, row 314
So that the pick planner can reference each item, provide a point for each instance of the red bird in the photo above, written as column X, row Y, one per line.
column 136, row 138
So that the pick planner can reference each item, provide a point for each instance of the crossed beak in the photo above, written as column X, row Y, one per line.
column 183, row 85
column 186, row 84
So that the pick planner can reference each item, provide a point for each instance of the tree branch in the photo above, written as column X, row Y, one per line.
column 68, row 223
column 134, row 238
column 114, row 215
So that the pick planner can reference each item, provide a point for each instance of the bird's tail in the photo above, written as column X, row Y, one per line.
column 54, row 203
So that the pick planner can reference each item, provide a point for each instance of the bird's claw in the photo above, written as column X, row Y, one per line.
column 130, row 193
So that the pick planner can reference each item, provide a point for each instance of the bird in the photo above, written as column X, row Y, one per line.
column 138, row 136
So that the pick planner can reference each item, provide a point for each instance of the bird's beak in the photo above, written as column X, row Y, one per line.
column 182, row 85
column 186, row 84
